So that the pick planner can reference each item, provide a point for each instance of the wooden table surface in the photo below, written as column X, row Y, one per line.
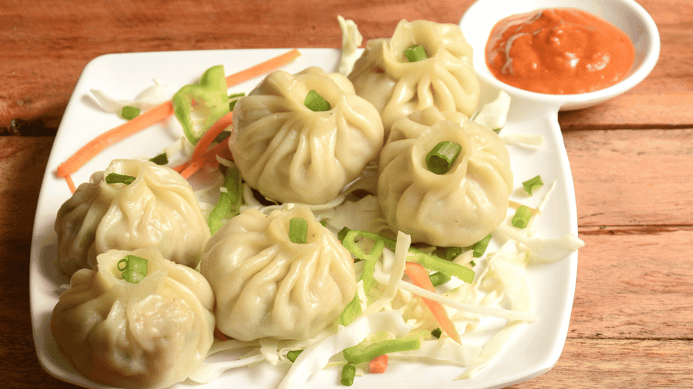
column 631, row 158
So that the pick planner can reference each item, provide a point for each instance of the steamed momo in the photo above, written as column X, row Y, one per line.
column 458, row 208
column 292, row 154
column 266, row 286
column 157, row 209
column 446, row 80
column 152, row 334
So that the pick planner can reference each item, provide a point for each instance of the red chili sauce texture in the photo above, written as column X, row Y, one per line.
column 558, row 51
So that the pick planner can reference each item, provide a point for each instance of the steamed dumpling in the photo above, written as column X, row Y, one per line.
column 458, row 208
column 290, row 153
column 446, row 79
column 152, row 334
column 267, row 286
column 157, row 209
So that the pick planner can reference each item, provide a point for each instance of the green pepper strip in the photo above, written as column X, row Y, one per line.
column 208, row 99
column 429, row 261
column 229, row 202
column 365, row 351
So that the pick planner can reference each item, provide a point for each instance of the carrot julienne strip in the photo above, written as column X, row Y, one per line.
column 378, row 365
column 113, row 136
column 70, row 183
column 263, row 67
column 209, row 157
column 419, row 277
column 211, row 134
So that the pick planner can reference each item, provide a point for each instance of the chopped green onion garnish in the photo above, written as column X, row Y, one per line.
column 497, row 130
column 293, row 354
column 133, row 268
column 348, row 374
column 435, row 263
column 115, row 178
column 161, row 159
column 439, row 278
column 129, row 113
column 437, row 333
column 533, row 184
column 415, row 53
column 298, row 230
column 440, row 159
column 316, row 103
column 480, row 246
column 522, row 216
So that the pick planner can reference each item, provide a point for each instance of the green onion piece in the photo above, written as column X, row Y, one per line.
column 480, row 246
column 298, row 230
column 533, row 184
column 497, row 130
column 316, row 103
column 365, row 351
column 230, row 201
column 348, row 374
column 522, row 216
column 115, row 178
column 435, row 263
column 440, row 159
column 293, row 354
column 439, row 278
column 133, row 268
column 415, row 53
column 437, row 333
column 161, row 159
column 129, row 113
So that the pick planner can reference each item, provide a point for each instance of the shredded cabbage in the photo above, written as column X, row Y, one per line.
column 150, row 97
column 494, row 115
column 317, row 356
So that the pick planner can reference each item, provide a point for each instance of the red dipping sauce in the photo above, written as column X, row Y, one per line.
column 558, row 51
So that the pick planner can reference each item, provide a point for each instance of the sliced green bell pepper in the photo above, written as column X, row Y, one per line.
column 198, row 106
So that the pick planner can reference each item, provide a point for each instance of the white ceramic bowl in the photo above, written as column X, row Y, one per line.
column 627, row 15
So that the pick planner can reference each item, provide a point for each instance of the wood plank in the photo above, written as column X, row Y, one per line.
column 606, row 363
column 625, row 177
column 46, row 45
column 634, row 283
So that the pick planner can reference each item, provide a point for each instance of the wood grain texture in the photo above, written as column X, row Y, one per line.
column 631, row 324
column 45, row 45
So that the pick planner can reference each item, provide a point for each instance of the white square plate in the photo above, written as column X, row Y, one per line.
column 531, row 352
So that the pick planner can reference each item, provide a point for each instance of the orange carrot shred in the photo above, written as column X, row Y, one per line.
column 113, row 136
column 262, row 68
column 211, row 134
column 70, row 183
column 378, row 365
column 208, row 158
column 419, row 277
